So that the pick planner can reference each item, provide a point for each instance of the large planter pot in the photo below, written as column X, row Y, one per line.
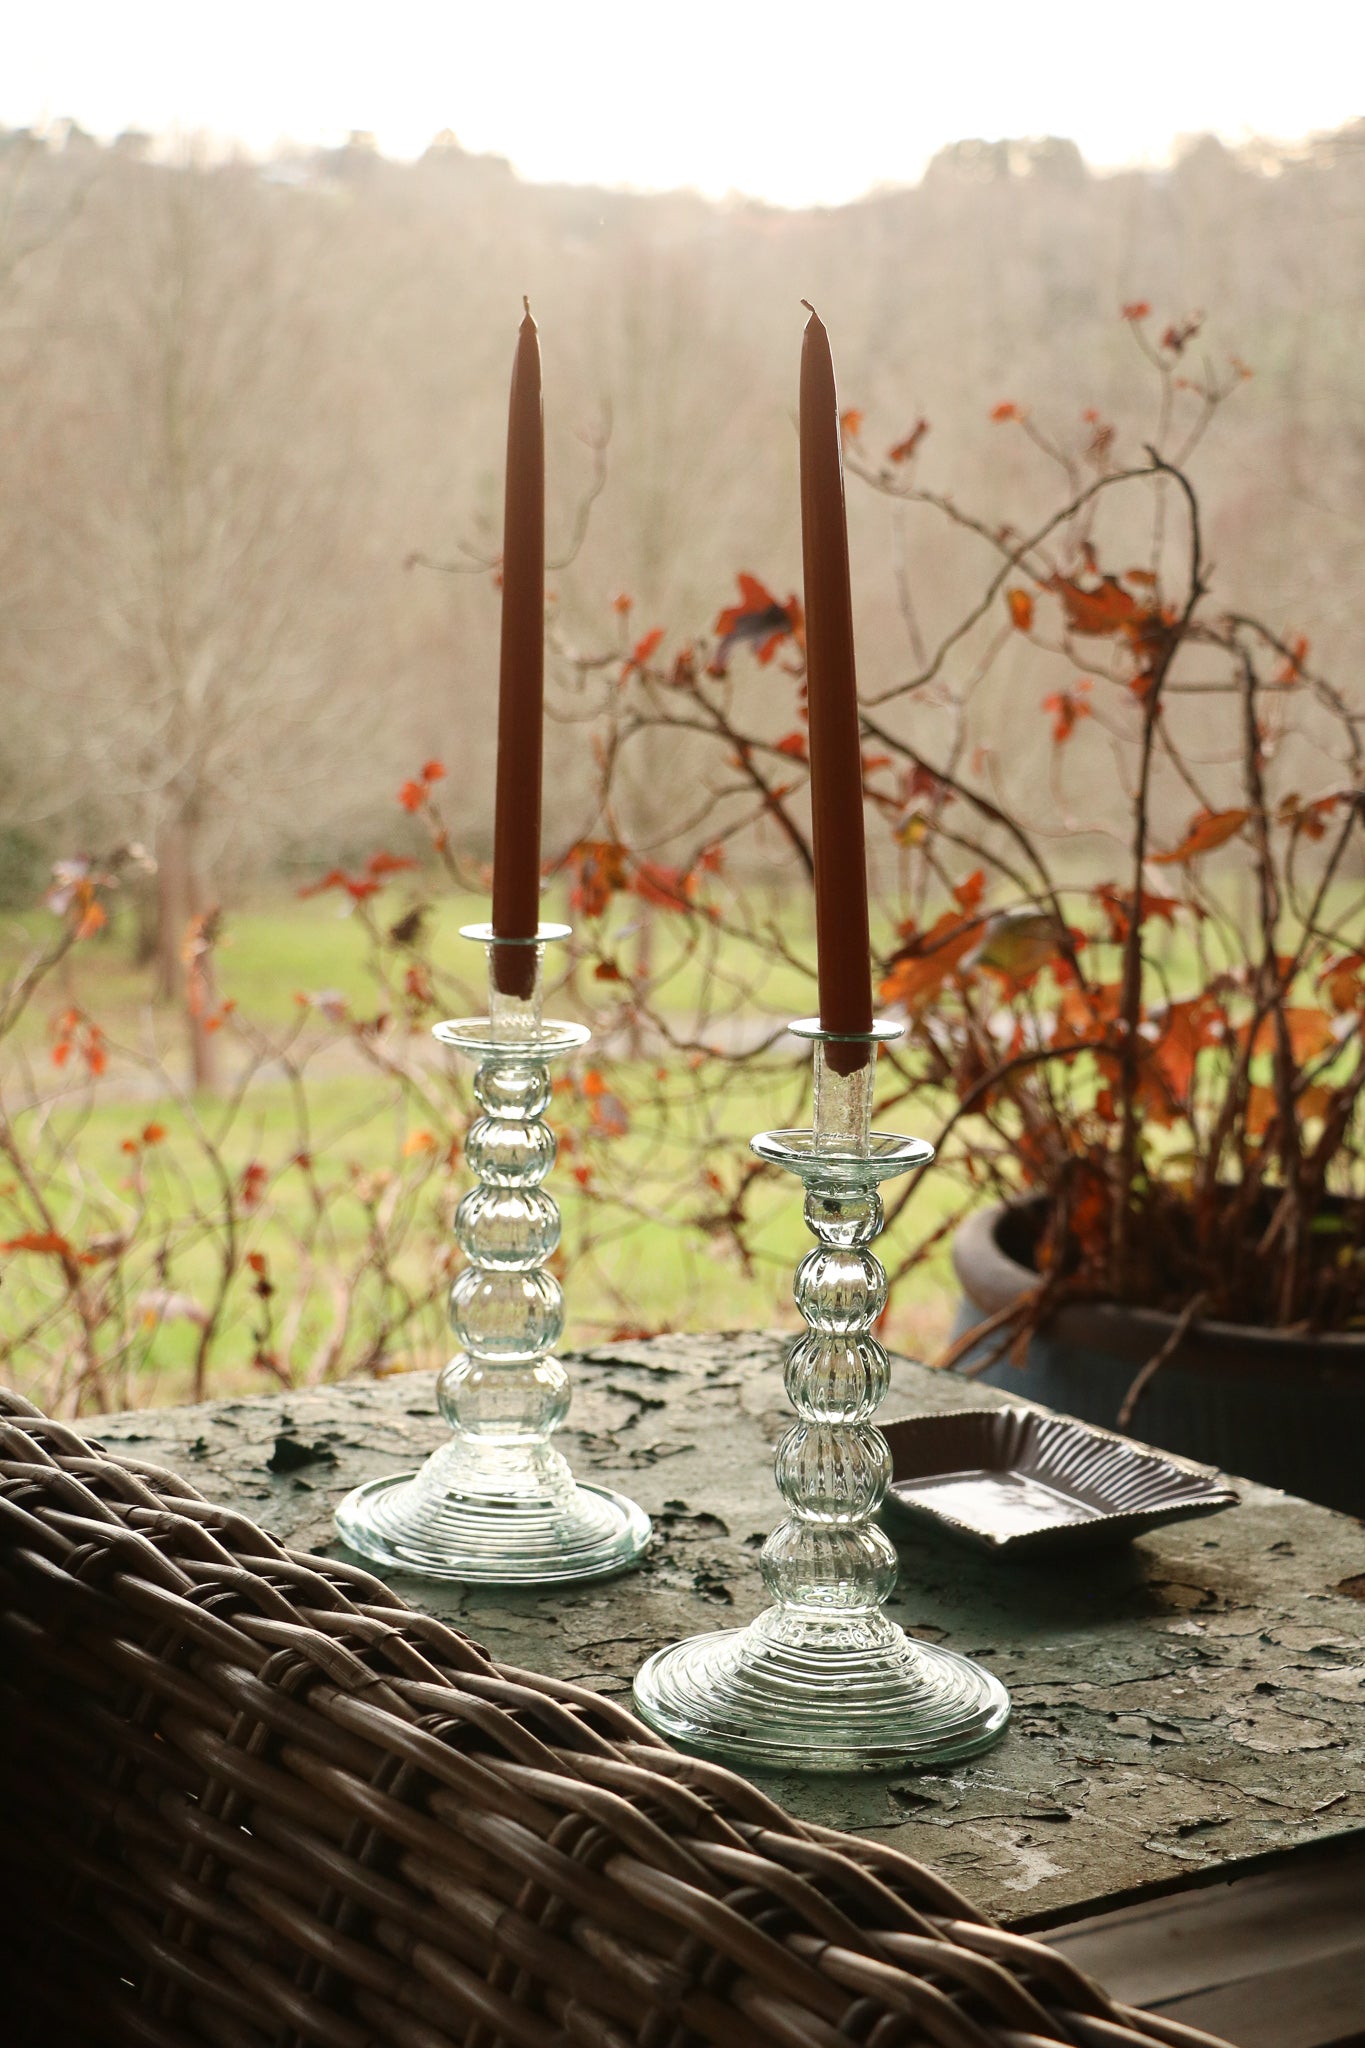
column 1289, row 1411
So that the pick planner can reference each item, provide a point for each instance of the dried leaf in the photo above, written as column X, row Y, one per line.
column 903, row 450
column 1206, row 830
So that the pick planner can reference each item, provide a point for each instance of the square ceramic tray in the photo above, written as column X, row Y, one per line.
column 1020, row 1481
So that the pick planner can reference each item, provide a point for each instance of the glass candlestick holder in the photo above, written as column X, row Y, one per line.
column 498, row 1503
column 823, row 1680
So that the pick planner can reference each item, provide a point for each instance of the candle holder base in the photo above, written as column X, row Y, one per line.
column 790, row 1692
column 493, row 1519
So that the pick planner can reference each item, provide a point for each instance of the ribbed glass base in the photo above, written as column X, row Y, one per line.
column 504, row 1522
column 793, row 1692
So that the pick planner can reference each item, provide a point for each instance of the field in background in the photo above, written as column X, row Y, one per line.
column 625, row 1269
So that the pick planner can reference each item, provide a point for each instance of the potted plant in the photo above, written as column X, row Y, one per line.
column 1121, row 864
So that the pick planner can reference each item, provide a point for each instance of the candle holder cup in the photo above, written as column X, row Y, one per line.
column 498, row 1503
column 823, row 1680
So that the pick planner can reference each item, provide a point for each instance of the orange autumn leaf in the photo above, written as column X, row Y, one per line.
column 758, row 618
column 388, row 863
column 1006, row 410
column 1068, row 707
column 968, row 892
column 1104, row 607
column 38, row 1241
column 93, row 918
column 1263, row 1108
column 1206, row 830
column 1020, row 603
column 793, row 743
column 1308, row 818
column 153, row 1134
column 668, row 888
column 1118, row 909
column 903, row 450
column 641, row 652
column 433, row 771
column 851, row 422
column 927, row 959
column 417, row 1142
column 1309, row 1033
column 412, row 796
column 621, row 603
column 1290, row 670
column 1136, row 309
column 598, row 867
column 1184, row 1030
column 1342, row 978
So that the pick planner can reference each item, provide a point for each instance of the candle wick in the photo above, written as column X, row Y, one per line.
column 527, row 304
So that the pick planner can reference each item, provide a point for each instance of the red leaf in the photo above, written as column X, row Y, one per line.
column 641, row 651
column 967, row 895
column 153, row 1134
column 1136, row 309
column 851, row 422
column 93, row 917
column 598, row 867
column 1021, row 608
column 333, row 879
column 793, row 743
column 388, row 863
column 667, row 888
column 412, row 796
column 1206, row 830
column 926, row 961
column 607, row 970
column 1007, row 410
column 1067, row 708
column 1117, row 909
column 1309, row 1032
column 903, row 450
column 759, row 618
column 1176, row 338
column 1106, row 607
column 621, row 603
column 39, row 1241
column 1343, row 978
column 433, row 771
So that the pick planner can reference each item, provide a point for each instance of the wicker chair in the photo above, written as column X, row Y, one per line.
column 251, row 1798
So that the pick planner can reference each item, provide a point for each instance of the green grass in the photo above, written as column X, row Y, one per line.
column 657, row 1257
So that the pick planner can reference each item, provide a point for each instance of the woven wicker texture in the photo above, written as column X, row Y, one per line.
column 251, row 1797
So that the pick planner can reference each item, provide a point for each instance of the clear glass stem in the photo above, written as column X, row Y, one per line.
column 498, row 1503
column 823, row 1680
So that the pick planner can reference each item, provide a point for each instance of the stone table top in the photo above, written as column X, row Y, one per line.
column 1183, row 1705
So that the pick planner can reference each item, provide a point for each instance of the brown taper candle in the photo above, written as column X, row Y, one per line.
column 521, row 676
column 843, row 944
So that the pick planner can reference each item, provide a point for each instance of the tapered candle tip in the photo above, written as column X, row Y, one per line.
column 529, row 319
column 810, row 309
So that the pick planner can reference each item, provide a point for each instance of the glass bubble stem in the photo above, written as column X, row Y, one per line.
column 497, row 1504
column 823, row 1680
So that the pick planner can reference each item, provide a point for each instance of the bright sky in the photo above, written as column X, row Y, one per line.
column 783, row 99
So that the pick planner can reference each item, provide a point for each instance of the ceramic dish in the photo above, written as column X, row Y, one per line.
column 1021, row 1481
